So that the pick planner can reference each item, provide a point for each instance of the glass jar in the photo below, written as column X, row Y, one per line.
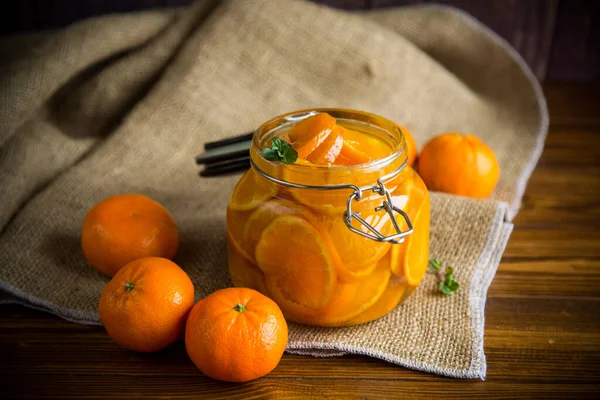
column 332, row 245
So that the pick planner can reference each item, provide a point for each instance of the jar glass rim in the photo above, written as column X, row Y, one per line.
column 377, row 121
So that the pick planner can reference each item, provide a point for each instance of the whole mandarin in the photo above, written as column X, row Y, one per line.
column 126, row 227
column 459, row 164
column 145, row 305
column 236, row 335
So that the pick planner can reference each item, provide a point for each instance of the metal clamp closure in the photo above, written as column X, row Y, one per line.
column 356, row 195
column 388, row 206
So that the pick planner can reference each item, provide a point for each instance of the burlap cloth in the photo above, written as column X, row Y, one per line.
column 122, row 104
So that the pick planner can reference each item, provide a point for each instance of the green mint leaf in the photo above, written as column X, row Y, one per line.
column 290, row 156
column 277, row 144
column 447, row 285
column 445, row 289
column 270, row 154
column 280, row 150
column 449, row 276
column 436, row 264
column 283, row 147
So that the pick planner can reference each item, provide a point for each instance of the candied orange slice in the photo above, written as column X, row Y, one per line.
column 352, row 298
column 251, row 191
column 242, row 272
column 323, row 224
column 342, row 160
column 409, row 195
column 351, row 155
column 236, row 221
column 311, row 126
column 285, row 136
column 264, row 214
column 370, row 145
column 329, row 150
column 358, row 252
column 308, row 134
column 387, row 302
column 415, row 258
column 395, row 258
column 326, row 201
column 306, row 145
column 349, row 275
column 293, row 256
column 292, row 310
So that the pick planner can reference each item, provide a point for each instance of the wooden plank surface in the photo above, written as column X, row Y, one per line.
column 542, row 337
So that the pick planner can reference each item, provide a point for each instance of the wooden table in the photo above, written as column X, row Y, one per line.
column 542, row 336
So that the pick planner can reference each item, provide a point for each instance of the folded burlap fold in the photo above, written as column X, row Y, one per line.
column 122, row 104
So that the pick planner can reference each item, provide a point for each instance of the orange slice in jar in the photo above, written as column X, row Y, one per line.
column 264, row 214
column 311, row 125
column 323, row 224
column 242, row 272
column 284, row 191
column 349, row 275
column 325, row 201
column 415, row 257
column 410, row 258
column 358, row 252
column 292, row 310
column 352, row 298
column 395, row 258
column 351, row 155
column 333, row 201
column 305, row 146
column 251, row 191
column 236, row 221
column 370, row 145
column 310, row 133
column 408, row 196
column 329, row 150
column 294, row 258
column 390, row 298
column 341, row 160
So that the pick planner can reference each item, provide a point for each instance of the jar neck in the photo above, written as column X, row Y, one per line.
column 308, row 174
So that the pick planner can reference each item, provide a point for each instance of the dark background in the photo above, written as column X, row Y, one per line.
column 560, row 39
